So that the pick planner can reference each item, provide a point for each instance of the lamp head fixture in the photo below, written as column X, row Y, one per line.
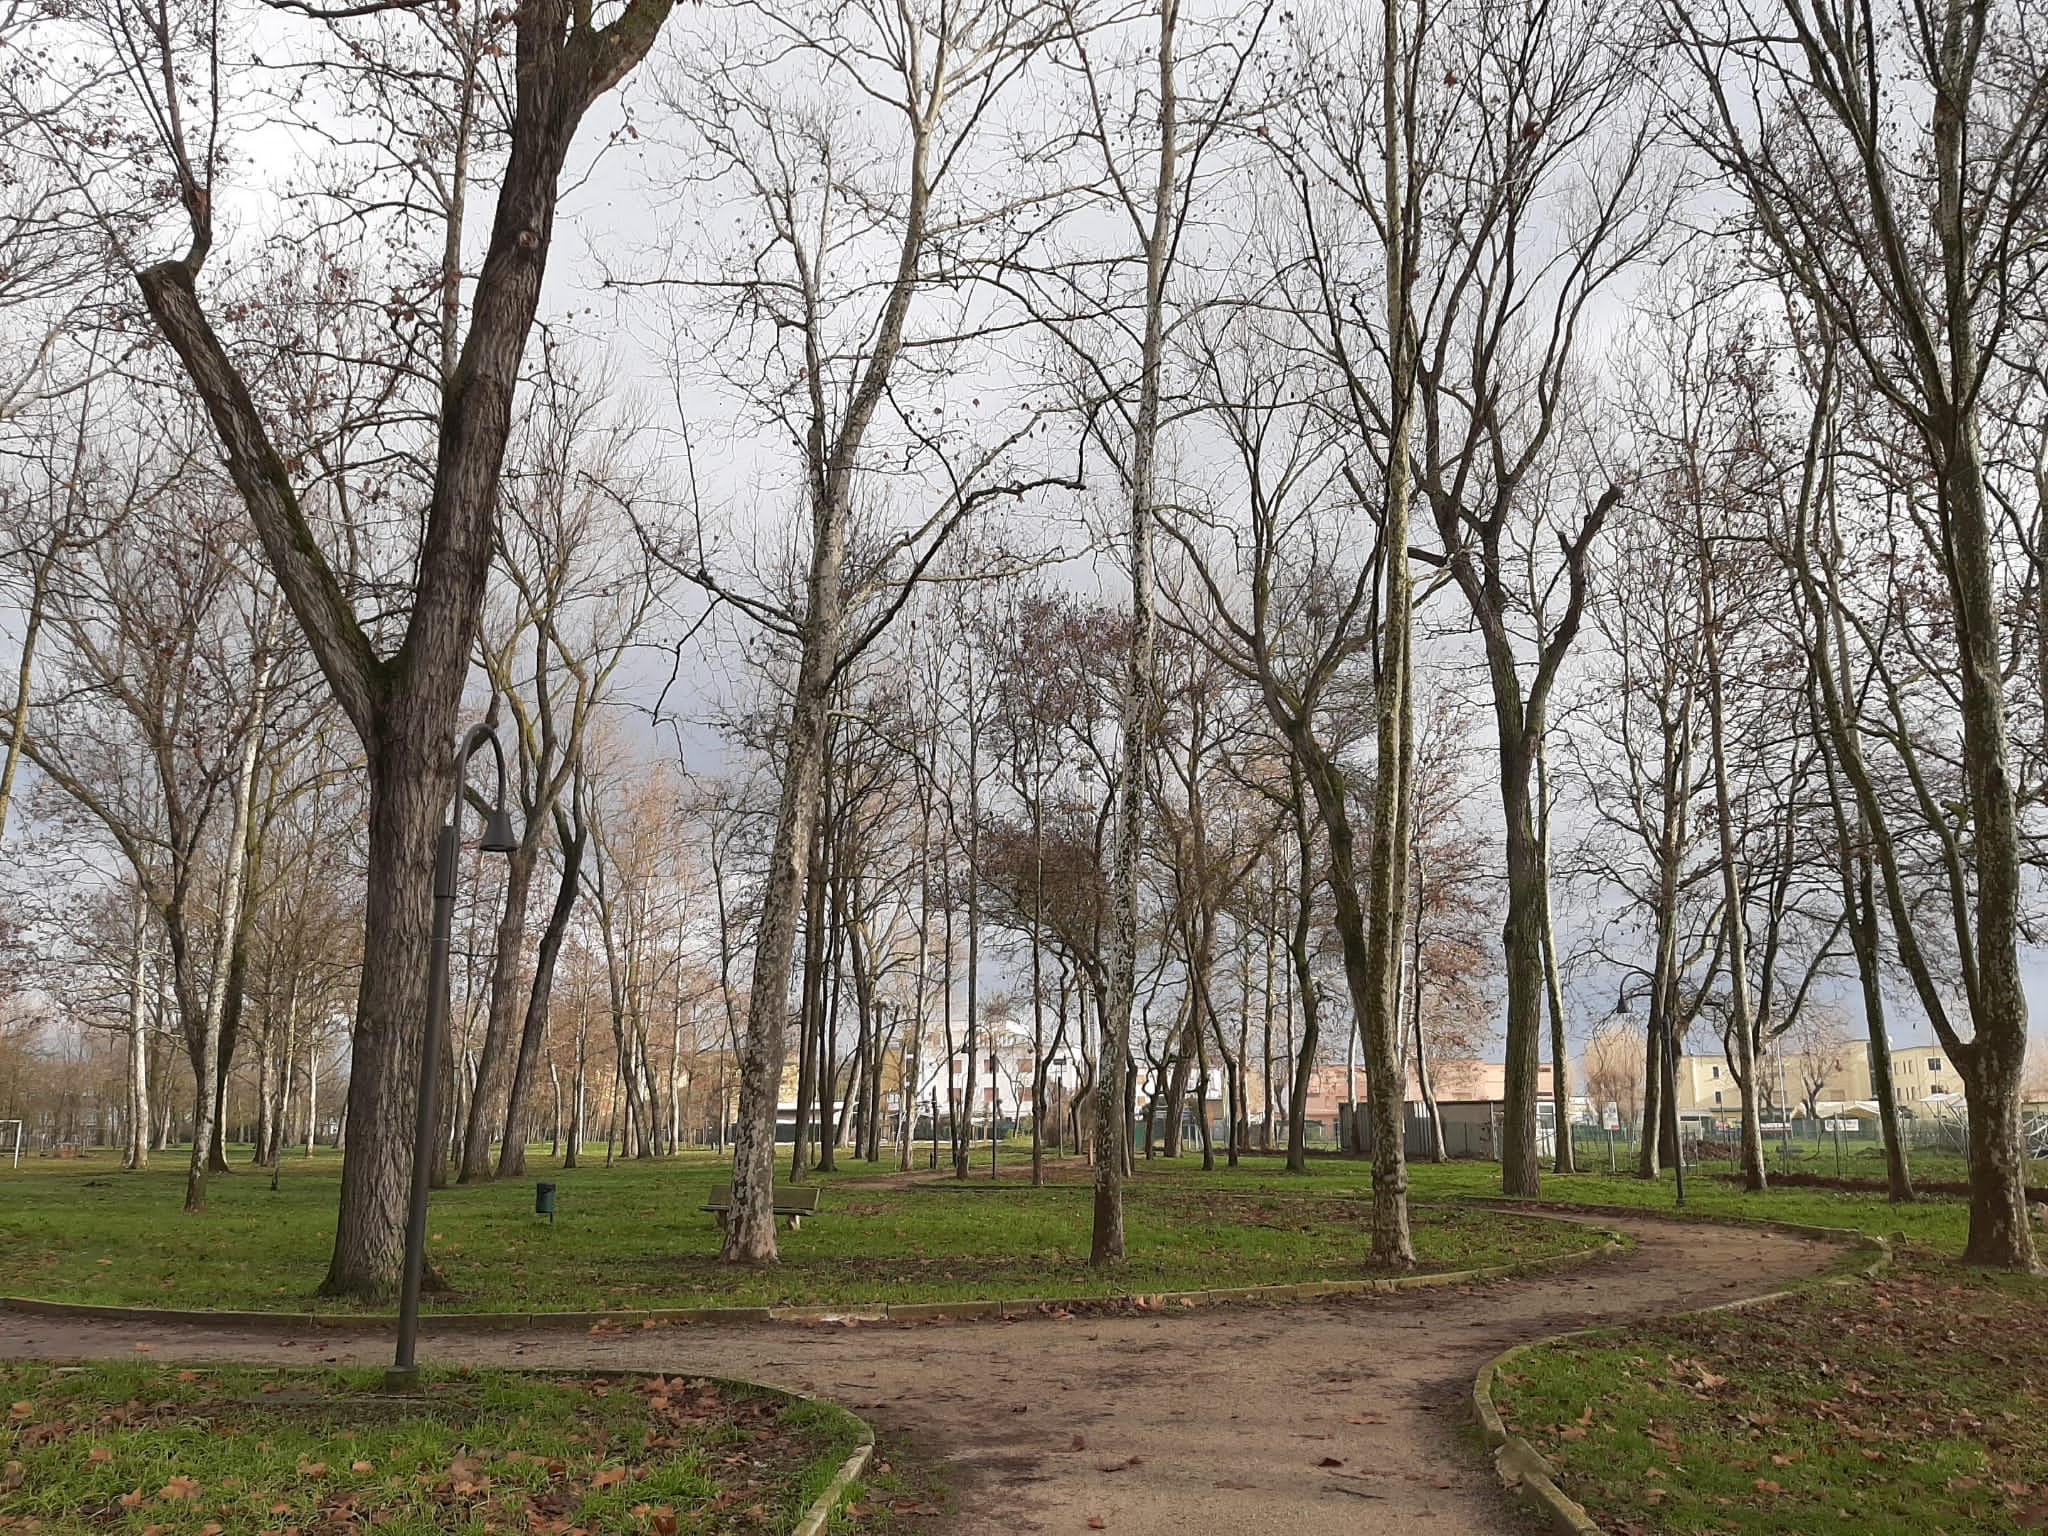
column 499, row 834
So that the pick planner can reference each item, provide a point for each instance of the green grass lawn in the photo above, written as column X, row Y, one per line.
column 234, row 1451
column 1911, row 1405
column 1937, row 1221
column 632, row 1236
column 1915, row 1405
column 1940, row 1221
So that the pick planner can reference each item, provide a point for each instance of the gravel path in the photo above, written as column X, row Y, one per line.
column 1348, row 1416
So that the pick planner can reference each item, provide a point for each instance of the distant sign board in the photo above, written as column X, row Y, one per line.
column 1610, row 1117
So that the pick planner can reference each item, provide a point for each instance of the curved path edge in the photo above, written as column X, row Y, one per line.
column 970, row 1310
column 1347, row 1412
column 818, row 1513
column 1520, row 1465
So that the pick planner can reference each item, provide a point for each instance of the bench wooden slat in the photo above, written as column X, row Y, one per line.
column 795, row 1200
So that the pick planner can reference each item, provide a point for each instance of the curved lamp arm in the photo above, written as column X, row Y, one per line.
column 498, row 834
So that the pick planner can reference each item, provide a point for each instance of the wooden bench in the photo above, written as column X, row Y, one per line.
column 795, row 1202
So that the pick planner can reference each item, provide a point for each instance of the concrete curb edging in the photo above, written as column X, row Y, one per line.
column 819, row 1512
column 826, row 1504
column 991, row 1309
column 1519, row 1464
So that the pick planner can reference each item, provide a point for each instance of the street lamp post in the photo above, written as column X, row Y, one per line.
column 995, row 1108
column 498, row 837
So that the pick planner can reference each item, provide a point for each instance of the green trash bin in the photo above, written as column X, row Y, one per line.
column 544, row 1200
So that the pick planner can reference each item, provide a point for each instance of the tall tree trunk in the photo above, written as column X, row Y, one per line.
column 1241, row 1136
column 750, row 1231
column 1266, row 1099
column 830, row 1103
column 533, row 1034
column 912, row 1078
column 1039, row 1077
column 1304, row 983
column 573, row 1142
column 494, row 1062
column 1741, row 1023
column 2000, row 1232
column 24, row 675
column 1377, row 992
column 1177, row 1084
column 137, row 1154
column 284, row 1086
column 554, row 1116
column 974, row 1051
column 811, row 1009
column 832, row 460
column 1522, row 948
column 1553, row 986
column 209, row 1098
column 312, row 1093
column 1859, row 902
column 1135, row 704
column 957, row 1107
column 404, row 708
column 266, row 1050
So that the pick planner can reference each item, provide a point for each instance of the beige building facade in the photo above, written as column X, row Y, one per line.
column 1836, row 1078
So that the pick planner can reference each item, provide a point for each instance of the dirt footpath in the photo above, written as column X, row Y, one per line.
column 1347, row 1416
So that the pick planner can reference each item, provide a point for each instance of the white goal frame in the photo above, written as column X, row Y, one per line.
column 20, row 1127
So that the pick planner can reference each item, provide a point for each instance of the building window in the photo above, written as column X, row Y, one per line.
column 1717, row 1096
column 1717, row 1073
column 1934, row 1064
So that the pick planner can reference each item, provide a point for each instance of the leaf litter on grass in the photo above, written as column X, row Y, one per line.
column 132, row 1448
column 1914, row 1404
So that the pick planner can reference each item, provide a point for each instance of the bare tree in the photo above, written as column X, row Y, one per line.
column 577, row 602
column 1546, row 98
column 851, row 221
column 185, row 83
column 1909, row 237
